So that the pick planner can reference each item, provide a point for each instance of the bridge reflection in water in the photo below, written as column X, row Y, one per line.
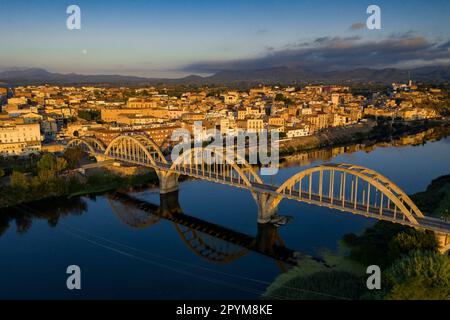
column 210, row 241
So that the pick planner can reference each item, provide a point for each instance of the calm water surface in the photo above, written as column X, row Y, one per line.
column 125, row 252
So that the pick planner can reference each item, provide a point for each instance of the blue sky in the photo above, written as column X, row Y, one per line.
column 175, row 38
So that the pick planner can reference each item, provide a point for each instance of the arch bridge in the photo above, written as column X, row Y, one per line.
column 344, row 187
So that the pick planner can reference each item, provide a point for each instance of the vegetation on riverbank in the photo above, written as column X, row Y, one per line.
column 49, row 178
column 411, row 266
column 105, row 181
column 25, row 189
column 336, row 277
column 435, row 200
column 412, row 269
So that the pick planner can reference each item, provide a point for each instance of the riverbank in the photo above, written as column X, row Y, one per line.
column 412, row 267
column 70, row 186
column 435, row 200
column 304, row 158
column 368, row 133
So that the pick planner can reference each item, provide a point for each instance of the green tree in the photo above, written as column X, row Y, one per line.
column 410, row 240
column 385, row 242
column 73, row 156
column 443, row 209
column 279, row 97
column 420, row 275
column 43, row 177
column 61, row 164
column 19, row 180
column 372, row 246
column 89, row 115
column 46, row 163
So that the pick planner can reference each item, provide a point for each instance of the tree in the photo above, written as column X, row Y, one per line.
column 61, row 164
column 385, row 242
column 410, row 240
column 443, row 208
column 2, row 173
column 73, row 156
column 279, row 97
column 19, row 180
column 46, row 163
column 420, row 275
column 89, row 115
column 372, row 246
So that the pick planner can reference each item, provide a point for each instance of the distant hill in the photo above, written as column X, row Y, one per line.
column 39, row 76
column 286, row 75
column 281, row 75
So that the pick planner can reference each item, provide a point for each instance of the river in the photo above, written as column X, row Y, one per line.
column 203, row 243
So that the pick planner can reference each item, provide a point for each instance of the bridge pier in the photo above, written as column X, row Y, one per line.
column 444, row 242
column 266, row 207
column 168, row 182
column 101, row 157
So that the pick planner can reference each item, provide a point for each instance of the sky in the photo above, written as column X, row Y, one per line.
column 160, row 38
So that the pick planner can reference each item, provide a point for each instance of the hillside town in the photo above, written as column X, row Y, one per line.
column 43, row 118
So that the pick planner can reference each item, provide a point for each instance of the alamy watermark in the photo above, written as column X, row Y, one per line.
column 73, row 282
column 374, row 280
column 210, row 146
column 73, row 22
column 374, row 20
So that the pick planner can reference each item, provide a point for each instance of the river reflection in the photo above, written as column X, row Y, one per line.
column 24, row 215
column 325, row 154
column 207, row 240
column 212, row 242
column 205, row 243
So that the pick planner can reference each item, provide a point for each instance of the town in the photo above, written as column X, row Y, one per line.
column 42, row 118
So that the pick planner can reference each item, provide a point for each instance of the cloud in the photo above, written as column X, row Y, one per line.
column 404, row 35
column 340, row 53
column 357, row 26
column 262, row 31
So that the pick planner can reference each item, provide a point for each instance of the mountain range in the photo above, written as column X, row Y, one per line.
column 277, row 75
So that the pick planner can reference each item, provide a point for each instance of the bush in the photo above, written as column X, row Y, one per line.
column 89, row 115
column 73, row 157
column 19, row 181
column 420, row 275
column 372, row 246
column 409, row 240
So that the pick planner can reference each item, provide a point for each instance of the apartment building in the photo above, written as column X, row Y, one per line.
column 116, row 114
column 19, row 138
column 297, row 131
column 255, row 125
column 141, row 103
